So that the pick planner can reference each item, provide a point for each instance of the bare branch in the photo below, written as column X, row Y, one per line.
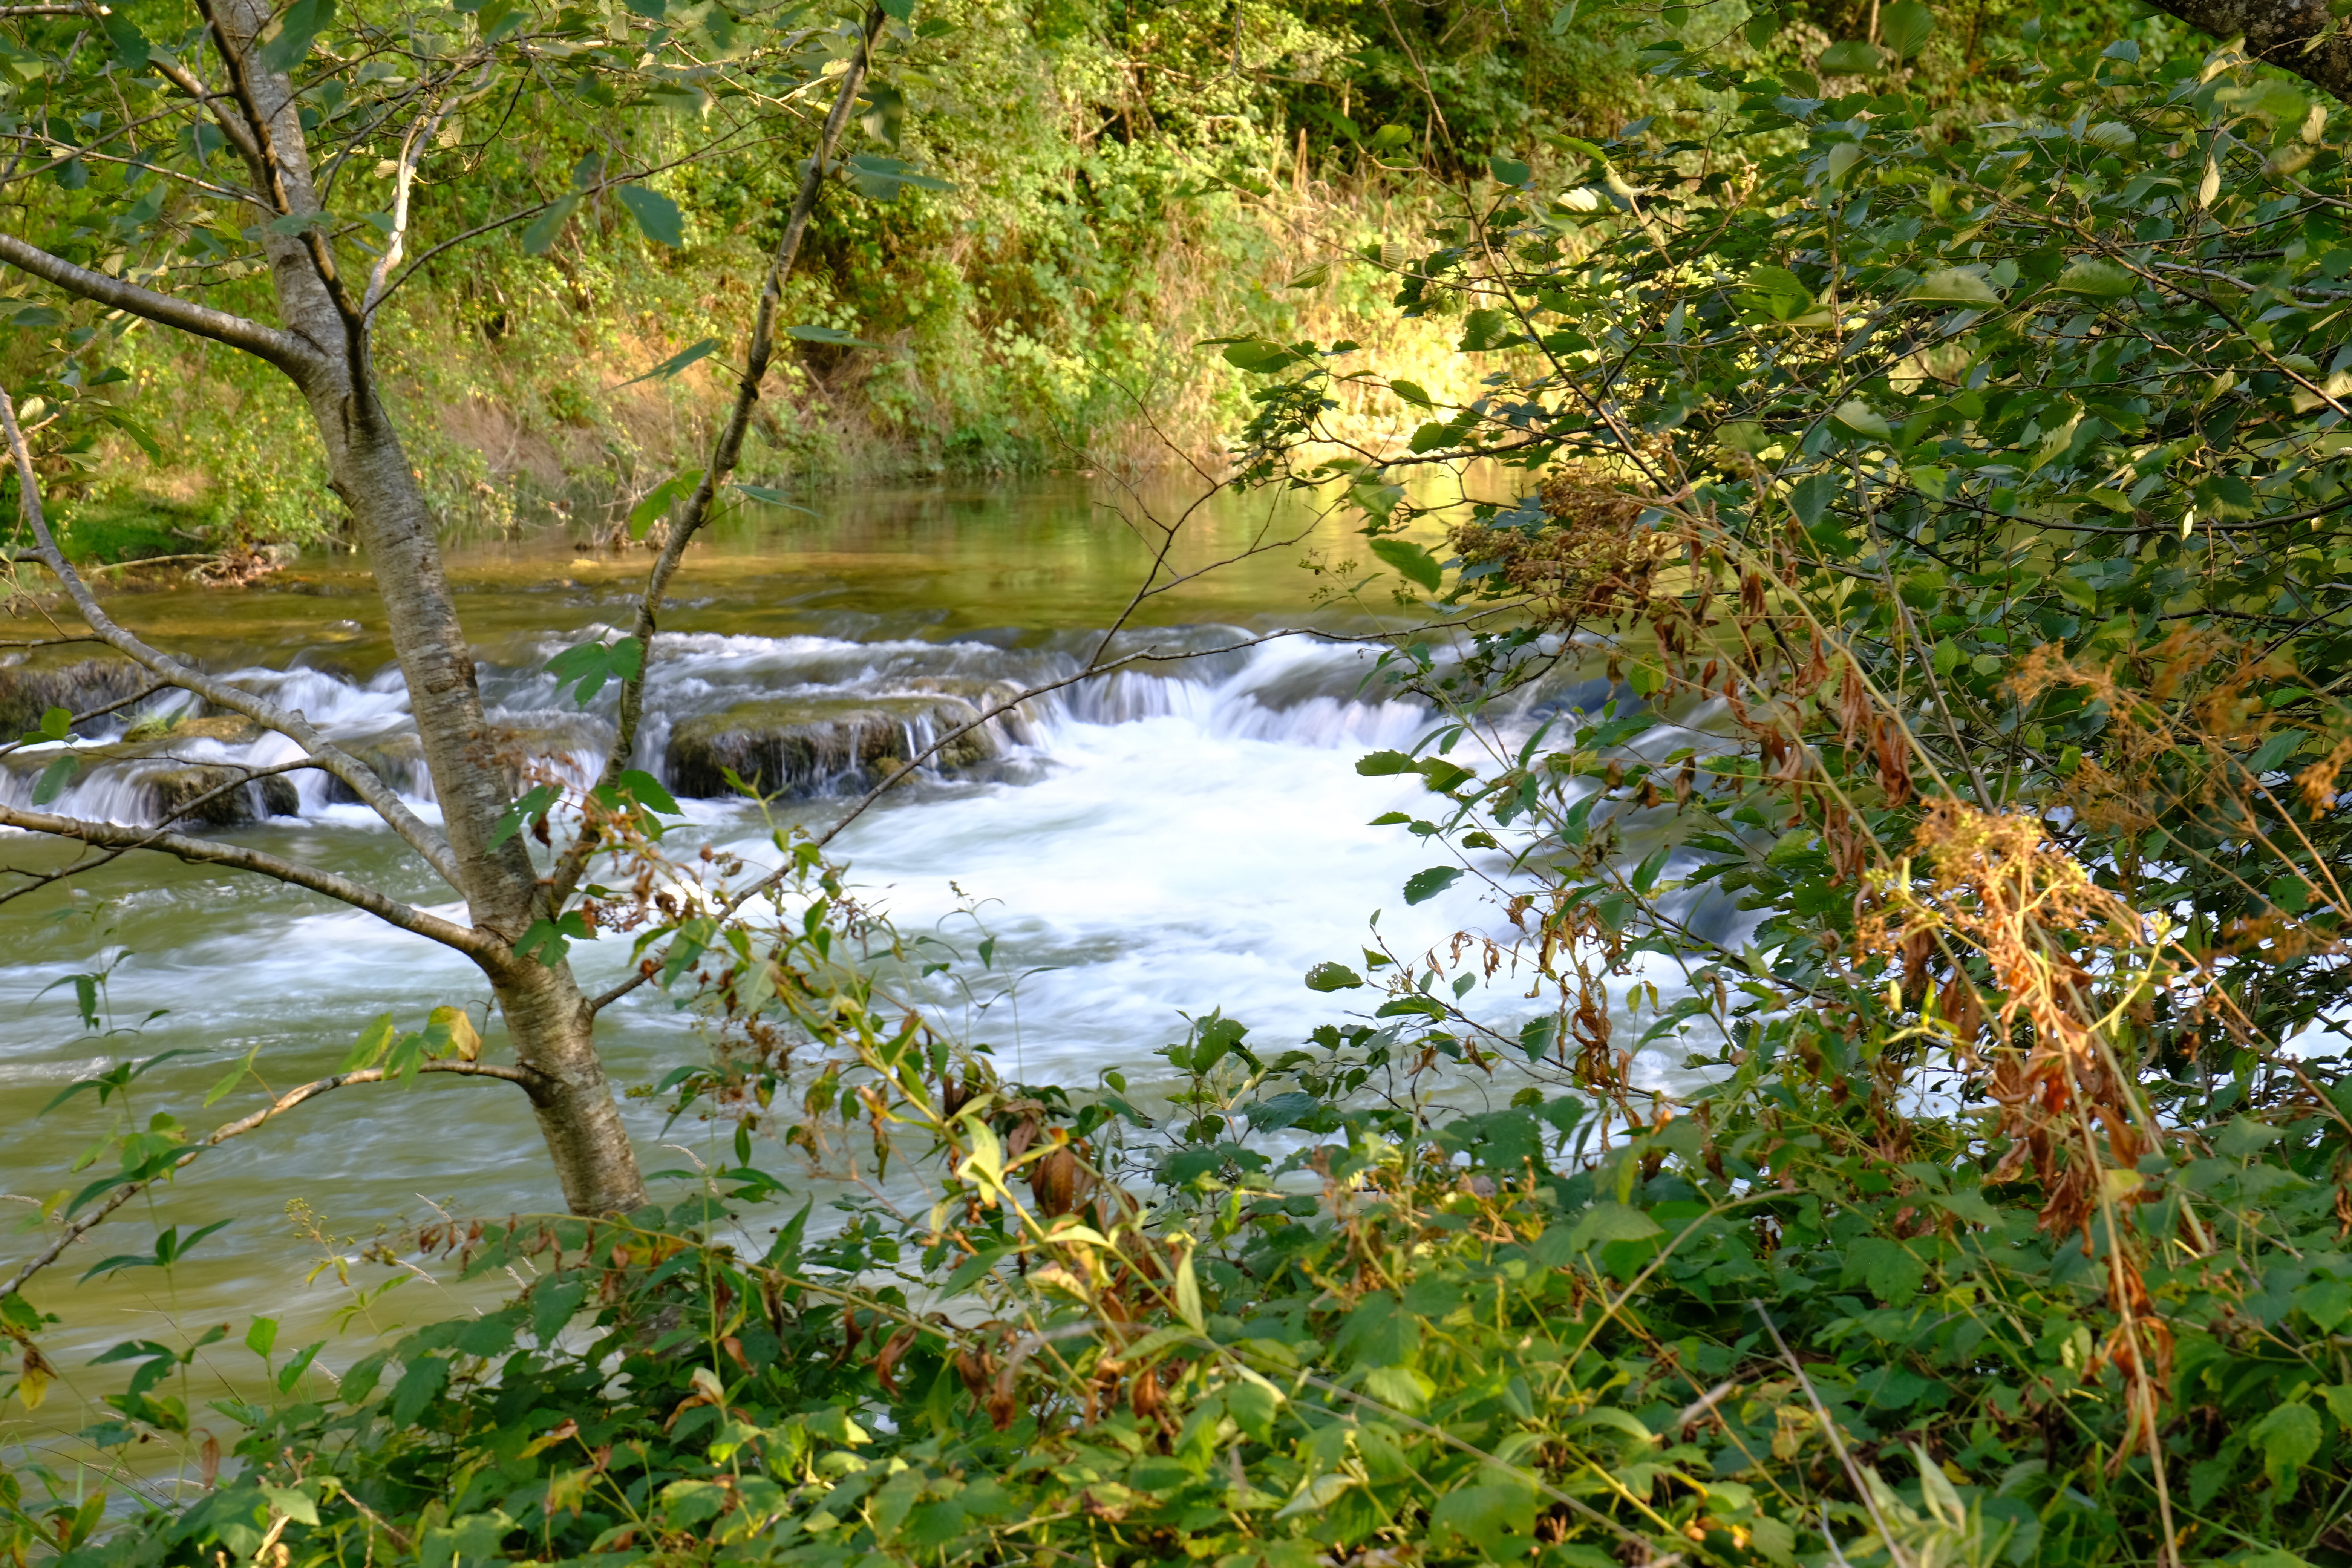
column 724, row 455
column 523, row 1076
column 477, row 944
column 357, row 775
column 284, row 349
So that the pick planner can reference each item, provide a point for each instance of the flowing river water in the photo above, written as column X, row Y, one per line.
column 1183, row 836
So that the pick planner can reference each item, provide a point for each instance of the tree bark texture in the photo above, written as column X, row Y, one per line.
column 549, row 1020
column 2279, row 33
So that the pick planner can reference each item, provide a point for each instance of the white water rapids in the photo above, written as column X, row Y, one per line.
column 1179, row 836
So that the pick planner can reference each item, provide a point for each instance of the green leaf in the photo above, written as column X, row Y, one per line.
column 1606, row 1221
column 1953, row 285
column 647, row 791
column 1333, row 978
column 129, row 45
column 1411, row 392
column 1811, row 496
column 881, row 179
column 2287, row 1438
column 592, row 663
column 372, row 1042
column 1411, row 562
column 2101, row 280
column 1645, row 875
column 1905, row 27
column 675, row 363
column 540, row 237
column 884, row 115
column 54, row 779
column 1851, row 58
column 1260, row 357
column 220, row 1091
column 2242, row 1138
column 1400, row 1388
column 1382, row 765
column 549, row 941
column 534, row 801
column 655, row 503
column 768, row 496
column 1891, row 1270
column 832, row 335
column 285, row 43
column 1967, row 1203
column 1856, row 417
column 1423, row 886
column 658, row 218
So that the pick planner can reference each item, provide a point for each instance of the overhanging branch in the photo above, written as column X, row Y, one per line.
column 475, row 944
column 757, row 351
column 362, row 780
column 287, row 352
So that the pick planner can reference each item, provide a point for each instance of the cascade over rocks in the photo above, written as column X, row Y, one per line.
column 817, row 746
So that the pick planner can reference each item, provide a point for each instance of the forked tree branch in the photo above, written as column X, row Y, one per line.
column 270, row 164
column 757, row 351
column 362, row 780
column 221, row 1134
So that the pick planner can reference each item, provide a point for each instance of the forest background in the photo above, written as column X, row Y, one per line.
column 1125, row 181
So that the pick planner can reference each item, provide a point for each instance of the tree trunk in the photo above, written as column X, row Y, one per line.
column 548, row 1020
column 2278, row 33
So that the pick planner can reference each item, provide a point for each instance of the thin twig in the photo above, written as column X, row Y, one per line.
column 526, row 1077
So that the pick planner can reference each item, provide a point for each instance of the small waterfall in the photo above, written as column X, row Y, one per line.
column 804, row 716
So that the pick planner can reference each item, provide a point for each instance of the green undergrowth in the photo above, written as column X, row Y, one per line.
column 1749, row 1332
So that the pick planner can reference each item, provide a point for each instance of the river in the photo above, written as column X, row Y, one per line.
column 1185, row 836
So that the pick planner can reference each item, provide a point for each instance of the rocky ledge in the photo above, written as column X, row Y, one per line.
column 148, row 780
column 824, row 746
